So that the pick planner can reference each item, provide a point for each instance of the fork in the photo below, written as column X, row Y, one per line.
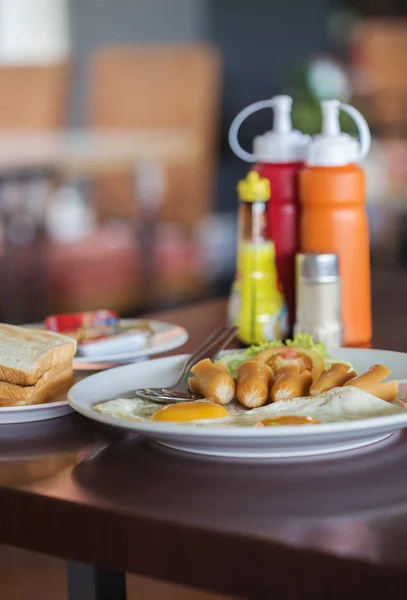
column 176, row 393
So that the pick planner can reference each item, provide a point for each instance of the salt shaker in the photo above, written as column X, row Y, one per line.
column 318, row 293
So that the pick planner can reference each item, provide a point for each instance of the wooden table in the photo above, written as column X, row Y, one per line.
column 331, row 527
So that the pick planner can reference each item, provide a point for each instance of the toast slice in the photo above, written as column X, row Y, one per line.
column 49, row 391
column 13, row 392
column 26, row 354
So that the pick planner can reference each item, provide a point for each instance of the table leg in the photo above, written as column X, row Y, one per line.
column 87, row 582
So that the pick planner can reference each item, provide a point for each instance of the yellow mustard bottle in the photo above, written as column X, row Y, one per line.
column 261, row 313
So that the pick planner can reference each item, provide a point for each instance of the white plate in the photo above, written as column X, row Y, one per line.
column 38, row 412
column 35, row 412
column 165, row 337
column 283, row 441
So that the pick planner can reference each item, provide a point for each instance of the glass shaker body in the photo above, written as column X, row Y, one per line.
column 262, row 315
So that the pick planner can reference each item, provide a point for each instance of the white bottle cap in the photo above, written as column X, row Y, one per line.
column 282, row 144
column 68, row 218
column 332, row 148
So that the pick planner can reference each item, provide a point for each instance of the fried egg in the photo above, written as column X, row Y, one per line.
column 190, row 411
column 337, row 404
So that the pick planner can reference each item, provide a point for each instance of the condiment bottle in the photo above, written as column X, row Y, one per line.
column 333, row 216
column 261, row 313
column 279, row 155
column 318, row 294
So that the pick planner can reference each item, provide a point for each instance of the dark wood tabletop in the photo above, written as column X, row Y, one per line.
column 322, row 527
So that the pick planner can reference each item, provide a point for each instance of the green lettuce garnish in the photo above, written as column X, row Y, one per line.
column 255, row 350
column 233, row 360
column 303, row 340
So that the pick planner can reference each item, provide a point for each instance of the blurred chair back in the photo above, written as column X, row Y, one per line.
column 33, row 97
column 380, row 49
column 159, row 87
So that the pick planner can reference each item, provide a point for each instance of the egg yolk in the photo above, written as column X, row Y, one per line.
column 288, row 420
column 190, row 411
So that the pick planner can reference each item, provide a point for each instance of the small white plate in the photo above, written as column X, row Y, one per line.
column 165, row 337
column 38, row 412
column 34, row 412
column 250, row 442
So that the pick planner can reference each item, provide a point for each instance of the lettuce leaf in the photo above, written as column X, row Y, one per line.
column 303, row 340
column 233, row 360
column 255, row 350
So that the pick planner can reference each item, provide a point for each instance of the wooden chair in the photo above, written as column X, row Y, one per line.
column 379, row 49
column 33, row 97
column 159, row 87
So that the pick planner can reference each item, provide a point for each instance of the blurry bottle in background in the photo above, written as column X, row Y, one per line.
column 279, row 156
column 333, row 216
column 261, row 312
column 69, row 218
column 24, row 256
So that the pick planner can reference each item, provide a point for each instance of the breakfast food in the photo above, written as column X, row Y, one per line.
column 290, row 385
column 280, row 385
column 190, row 411
column 35, row 365
column 301, row 368
column 214, row 382
column 306, row 359
column 253, row 384
column 292, row 352
column 335, row 405
column 336, row 376
column 372, row 382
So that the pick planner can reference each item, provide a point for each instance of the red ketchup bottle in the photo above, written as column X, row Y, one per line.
column 278, row 156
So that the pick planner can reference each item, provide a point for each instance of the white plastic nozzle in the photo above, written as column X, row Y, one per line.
column 282, row 114
column 330, row 117
column 281, row 144
column 334, row 148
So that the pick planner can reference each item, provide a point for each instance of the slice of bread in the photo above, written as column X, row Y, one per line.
column 14, row 392
column 47, row 392
column 26, row 354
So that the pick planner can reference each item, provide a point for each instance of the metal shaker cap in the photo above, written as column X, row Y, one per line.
column 319, row 268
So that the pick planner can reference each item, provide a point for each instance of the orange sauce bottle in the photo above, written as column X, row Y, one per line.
column 333, row 214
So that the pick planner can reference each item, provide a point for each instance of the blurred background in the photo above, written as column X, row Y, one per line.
column 117, row 185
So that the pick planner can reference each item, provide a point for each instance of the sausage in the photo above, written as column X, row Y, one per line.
column 371, row 382
column 375, row 374
column 387, row 390
column 291, row 386
column 253, row 384
column 193, row 384
column 293, row 369
column 336, row 376
column 214, row 382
